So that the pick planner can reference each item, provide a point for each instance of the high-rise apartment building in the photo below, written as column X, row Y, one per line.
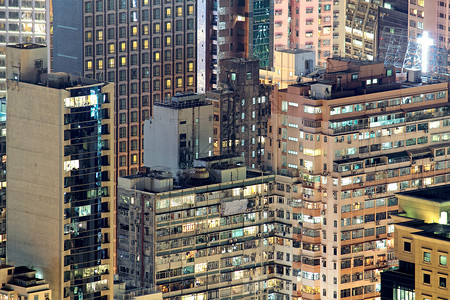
column 354, row 139
column 245, row 30
column 148, row 48
column 179, row 132
column 242, row 108
column 22, row 22
column 224, row 233
column 60, row 176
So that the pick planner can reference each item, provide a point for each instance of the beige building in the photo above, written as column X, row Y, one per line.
column 422, row 247
column 22, row 283
column 289, row 66
column 61, row 178
column 354, row 138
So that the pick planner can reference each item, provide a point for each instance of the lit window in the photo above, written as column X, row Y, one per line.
column 190, row 80
column 443, row 260
column 190, row 9
column 145, row 29
column 100, row 64
column 134, row 45
column 99, row 35
column 190, row 67
column 123, row 47
column 111, row 63
column 89, row 65
column 168, row 26
column 168, row 84
column 123, row 61
column 111, row 48
column 168, row 41
column 179, row 82
column 145, row 44
column 179, row 11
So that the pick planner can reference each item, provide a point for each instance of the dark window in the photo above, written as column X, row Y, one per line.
column 407, row 246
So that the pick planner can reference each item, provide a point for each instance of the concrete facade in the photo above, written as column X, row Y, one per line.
column 61, row 143
column 185, row 124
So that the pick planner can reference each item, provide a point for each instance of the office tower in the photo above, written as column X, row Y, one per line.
column 60, row 176
column 179, row 132
column 23, row 282
column 243, row 110
column 289, row 67
column 422, row 241
column 223, row 233
column 355, row 138
column 246, row 30
column 22, row 22
column 148, row 48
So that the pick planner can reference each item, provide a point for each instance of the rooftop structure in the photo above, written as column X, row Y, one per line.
column 185, row 124
column 22, row 282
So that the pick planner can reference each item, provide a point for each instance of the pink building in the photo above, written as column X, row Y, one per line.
column 312, row 26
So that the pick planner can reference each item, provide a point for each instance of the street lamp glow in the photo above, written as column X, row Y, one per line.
column 425, row 42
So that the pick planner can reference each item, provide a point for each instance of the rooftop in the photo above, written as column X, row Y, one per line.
column 296, row 51
column 431, row 230
column 26, row 46
column 185, row 100
column 437, row 194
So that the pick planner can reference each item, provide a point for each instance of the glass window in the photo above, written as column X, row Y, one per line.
column 427, row 257
column 443, row 260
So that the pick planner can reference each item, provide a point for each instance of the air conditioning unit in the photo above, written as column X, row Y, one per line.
column 383, row 109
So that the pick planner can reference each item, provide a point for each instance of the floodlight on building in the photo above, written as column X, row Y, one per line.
column 425, row 42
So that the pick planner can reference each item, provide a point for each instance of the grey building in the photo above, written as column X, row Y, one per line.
column 180, row 131
column 242, row 109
